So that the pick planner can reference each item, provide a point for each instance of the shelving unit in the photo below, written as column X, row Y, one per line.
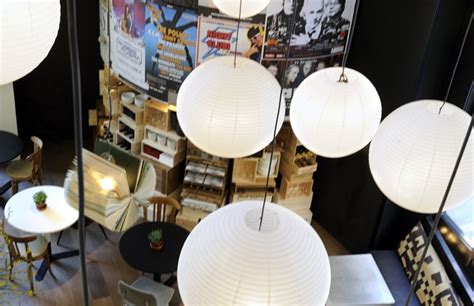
column 133, row 112
column 165, row 147
column 157, row 114
column 129, row 130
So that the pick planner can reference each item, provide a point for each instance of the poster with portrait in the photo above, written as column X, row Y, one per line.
column 171, row 34
column 127, row 34
column 218, row 35
column 322, row 27
column 291, row 75
column 319, row 27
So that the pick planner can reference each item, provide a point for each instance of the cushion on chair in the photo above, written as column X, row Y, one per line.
column 37, row 246
column 21, row 169
column 162, row 293
column 433, row 286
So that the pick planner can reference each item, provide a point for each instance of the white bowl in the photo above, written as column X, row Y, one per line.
column 171, row 144
column 140, row 100
column 161, row 139
column 151, row 135
column 127, row 97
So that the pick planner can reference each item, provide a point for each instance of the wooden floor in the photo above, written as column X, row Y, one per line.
column 105, row 266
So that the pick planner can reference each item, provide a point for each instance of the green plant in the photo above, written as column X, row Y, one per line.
column 40, row 197
column 155, row 235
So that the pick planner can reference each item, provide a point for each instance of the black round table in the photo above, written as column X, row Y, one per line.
column 10, row 146
column 135, row 248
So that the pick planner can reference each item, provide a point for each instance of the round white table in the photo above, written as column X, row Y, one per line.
column 21, row 213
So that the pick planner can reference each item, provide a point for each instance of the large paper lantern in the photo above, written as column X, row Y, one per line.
column 229, row 111
column 249, row 7
column 226, row 260
column 334, row 118
column 28, row 30
column 413, row 154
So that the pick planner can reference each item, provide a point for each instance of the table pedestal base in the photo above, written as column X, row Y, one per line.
column 169, row 282
column 5, row 187
column 53, row 257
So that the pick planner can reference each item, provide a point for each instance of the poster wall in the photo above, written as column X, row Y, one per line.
column 127, row 40
column 170, row 39
column 155, row 44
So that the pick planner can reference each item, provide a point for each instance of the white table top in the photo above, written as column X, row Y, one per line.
column 356, row 280
column 21, row 212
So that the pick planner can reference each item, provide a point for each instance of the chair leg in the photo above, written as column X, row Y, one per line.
column 11, row 270
column 14, row 187
column 30, row 277
column 59, row 237
column 103, row 231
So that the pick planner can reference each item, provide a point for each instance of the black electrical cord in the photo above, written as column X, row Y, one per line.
column 451, row 179
column 237, row 36
column 76, row 91
column 343, row 77
column 291, row 28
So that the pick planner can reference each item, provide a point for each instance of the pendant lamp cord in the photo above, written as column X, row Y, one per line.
column 237, row 37
column 457, row 62
column 343, row 77
column 283, row 81
column 109, row 64
column 434, row 226
column 76, row 90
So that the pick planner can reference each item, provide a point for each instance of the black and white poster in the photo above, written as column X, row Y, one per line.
column 320, row 27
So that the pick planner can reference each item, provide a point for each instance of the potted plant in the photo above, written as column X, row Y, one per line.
column 40, row 200
column 156, row 241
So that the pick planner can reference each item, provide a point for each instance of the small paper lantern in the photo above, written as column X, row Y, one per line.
column 413, row 154
column 229, row 111
column 249, row 7
column 332, row 118
column 28, row 30
column 226, row 260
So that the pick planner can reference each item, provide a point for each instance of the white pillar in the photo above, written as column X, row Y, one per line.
column 7, row 109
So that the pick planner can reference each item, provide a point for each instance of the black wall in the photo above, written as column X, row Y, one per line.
column 407, row 48
column 44, row 97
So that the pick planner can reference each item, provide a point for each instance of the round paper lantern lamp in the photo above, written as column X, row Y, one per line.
column 229, row 111
column 28, row 30
column 414, row 152
column 227, row 261
column 332, row 118
column 249, row 7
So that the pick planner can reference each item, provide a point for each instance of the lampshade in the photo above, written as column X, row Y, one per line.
column 227, row 261
column 335, row 119
column 249, row 7
column 229, row 111
column 27, row 33
column 414, row 152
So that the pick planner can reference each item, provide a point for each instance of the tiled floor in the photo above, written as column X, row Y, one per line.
column 105, row 266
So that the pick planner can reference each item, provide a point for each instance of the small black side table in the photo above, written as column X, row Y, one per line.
column 135, row 248
column 10, row 147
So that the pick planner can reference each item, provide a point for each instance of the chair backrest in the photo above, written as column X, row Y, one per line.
column 35, row 157
column 12, row 243
column 135, row 296
column 165, row 209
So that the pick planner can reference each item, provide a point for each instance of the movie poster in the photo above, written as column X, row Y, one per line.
column 218, row 35
column 127, row 40
column 171, row 34
column 290, row 76
column 320, row 27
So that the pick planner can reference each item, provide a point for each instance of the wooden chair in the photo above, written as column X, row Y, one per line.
column 25, row 249
column 160, row 213
column 27, row 170
column 146, row 292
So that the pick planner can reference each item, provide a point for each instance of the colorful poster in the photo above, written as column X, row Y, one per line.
column 171, row 34
column 319, row 27
column 127, row 40
column 222, row 35
column 218, row 37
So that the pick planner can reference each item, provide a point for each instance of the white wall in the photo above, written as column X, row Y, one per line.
column 7, row 109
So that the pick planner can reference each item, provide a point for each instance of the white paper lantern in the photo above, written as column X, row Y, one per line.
column 229, row 112
column 28, row 30
column 335, row 119
column 249, row 7
column 414, row 152
column 227, row 261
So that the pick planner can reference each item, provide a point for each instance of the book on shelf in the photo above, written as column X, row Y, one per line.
column 109, row 198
